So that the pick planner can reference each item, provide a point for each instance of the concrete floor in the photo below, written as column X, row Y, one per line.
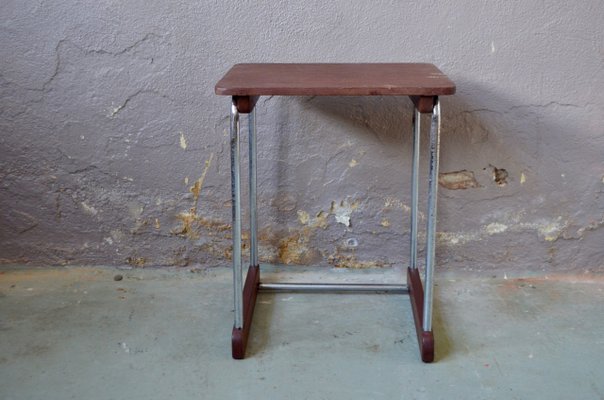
column 75, row 333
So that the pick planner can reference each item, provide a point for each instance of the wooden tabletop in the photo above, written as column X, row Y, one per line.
column 407, row 79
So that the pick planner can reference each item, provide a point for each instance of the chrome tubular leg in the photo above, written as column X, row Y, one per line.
column 236, row 204
column 415, row 187
column 252, row 189
column 431, row 226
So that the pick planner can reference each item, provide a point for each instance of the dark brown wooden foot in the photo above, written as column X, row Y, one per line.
column 416, row 294
column 250, row 291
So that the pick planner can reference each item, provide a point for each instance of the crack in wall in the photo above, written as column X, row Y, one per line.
column 64, row 41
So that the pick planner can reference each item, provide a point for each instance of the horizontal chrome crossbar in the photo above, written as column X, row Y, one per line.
column 333, row 287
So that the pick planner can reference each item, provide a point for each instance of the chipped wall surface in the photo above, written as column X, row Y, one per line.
column 114, row 148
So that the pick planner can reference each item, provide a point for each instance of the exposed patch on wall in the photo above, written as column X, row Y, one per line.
column 190, row 220
column 196, row 188
column 192, row 224
column 500, row 175
column 343, row 210
column 392, row 202
column 348, row 259
column 296, row 248
column 456, row 180
column 138, row 262
column 183, row 141
column 495, row 227
column 303, row 217
column 455, row 238
column 88, row 209
column 549, row 230
column 319, row 221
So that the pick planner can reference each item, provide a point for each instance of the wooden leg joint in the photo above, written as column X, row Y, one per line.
column 425, row 339
column 250, row 291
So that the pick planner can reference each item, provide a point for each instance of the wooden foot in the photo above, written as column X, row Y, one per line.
column 250, row 291
column 416, row 294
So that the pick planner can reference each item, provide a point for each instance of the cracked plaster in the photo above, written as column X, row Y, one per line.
column 114, row 149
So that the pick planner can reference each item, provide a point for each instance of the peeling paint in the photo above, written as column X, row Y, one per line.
column 339, row 260
column 551, row 230
column 113, row 111
column 592, row 226
column 385, row 223
column 136, row 261
column 393, row 202
column 458, row 180
column 500, row 175
column 343, row 210
column 196, row 188
column 88, row 209
column 457, row 238
column 319, row 221
column 303, row 217
column 191, row 225
column 496, row 227
column 191, row 222
column 548, row 229
column 183, row 141
column 296, row 249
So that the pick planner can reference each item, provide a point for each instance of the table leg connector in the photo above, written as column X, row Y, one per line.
column 250, row 292
column 425, row 339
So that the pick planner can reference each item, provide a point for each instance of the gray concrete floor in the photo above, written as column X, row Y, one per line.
column 75, row 333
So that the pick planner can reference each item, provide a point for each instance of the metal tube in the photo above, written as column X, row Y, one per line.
column 333, row 287
column 252, row 188
column 236, row 206
column 415, row 186
column 431, row 225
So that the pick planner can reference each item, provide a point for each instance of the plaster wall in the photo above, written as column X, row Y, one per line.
column 114, row 148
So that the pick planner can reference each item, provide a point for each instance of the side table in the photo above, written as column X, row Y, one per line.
column 422, row 83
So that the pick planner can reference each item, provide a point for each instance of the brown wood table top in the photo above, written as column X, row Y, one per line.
column 392, row 79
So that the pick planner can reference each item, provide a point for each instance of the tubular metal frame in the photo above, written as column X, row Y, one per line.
column 423, row 315
column 236, row 207
column 431, row 223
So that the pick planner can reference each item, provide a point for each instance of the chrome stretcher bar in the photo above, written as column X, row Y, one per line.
column 423, row 83
column 332, row 287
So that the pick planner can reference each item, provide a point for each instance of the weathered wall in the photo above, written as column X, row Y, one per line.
column 114, row 148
